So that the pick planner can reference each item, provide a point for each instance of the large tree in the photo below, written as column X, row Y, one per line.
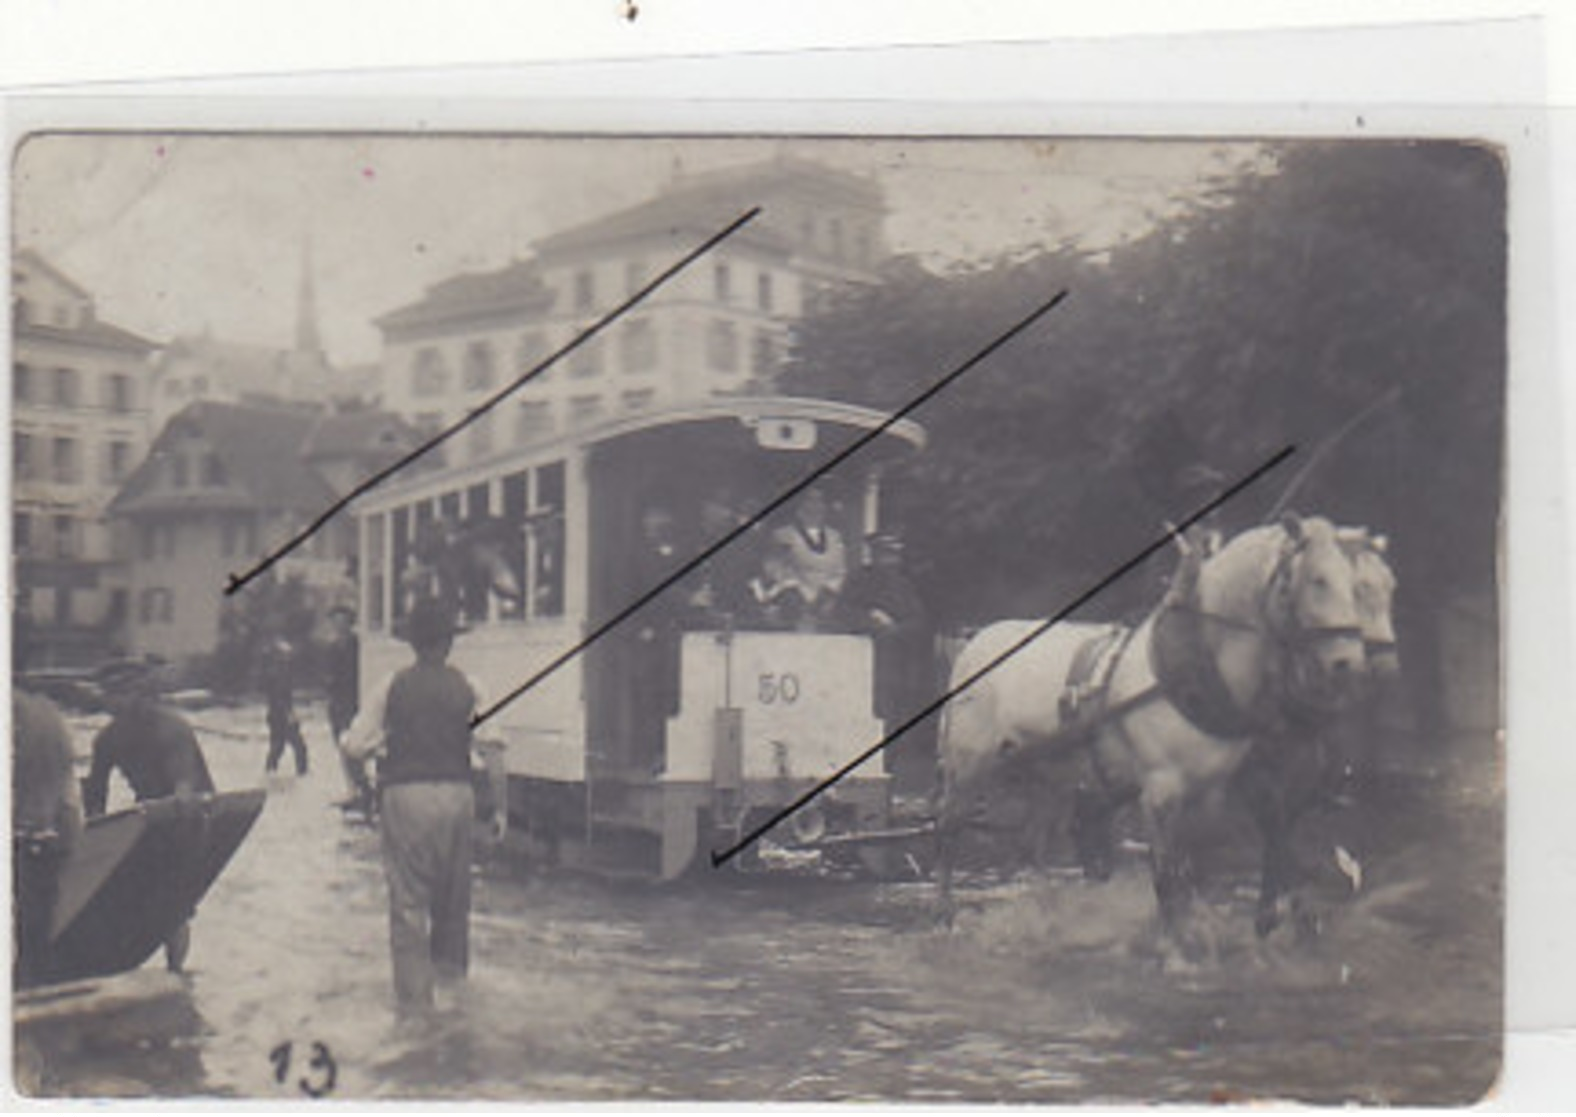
column 1329, row 279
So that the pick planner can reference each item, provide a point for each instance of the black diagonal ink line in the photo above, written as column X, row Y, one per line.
column 722, row 858
column 238, row 581
column 782, row 498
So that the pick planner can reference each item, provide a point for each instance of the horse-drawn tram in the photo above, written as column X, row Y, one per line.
column 714, row 705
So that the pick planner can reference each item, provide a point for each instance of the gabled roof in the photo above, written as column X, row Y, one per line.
column 359, row 434
column 700, row 208
column 260, row 448
column 93, row 332
column 515, row 287
column 707, row 202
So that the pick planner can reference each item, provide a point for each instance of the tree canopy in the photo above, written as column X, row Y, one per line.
column 1338, row 276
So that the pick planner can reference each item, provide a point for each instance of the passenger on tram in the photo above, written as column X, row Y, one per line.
column 881, row 601
column 719, row 596
column 809, row 558
column 654, row 666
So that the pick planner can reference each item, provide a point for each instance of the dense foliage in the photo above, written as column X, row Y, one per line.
column 1279, row 305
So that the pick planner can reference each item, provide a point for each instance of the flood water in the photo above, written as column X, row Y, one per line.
column 1048, row 990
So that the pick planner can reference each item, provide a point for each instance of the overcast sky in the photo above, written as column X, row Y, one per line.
column 177, row 234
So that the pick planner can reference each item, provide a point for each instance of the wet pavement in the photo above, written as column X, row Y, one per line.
column 1048, row 990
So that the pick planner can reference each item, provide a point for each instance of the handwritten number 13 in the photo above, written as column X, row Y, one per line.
column 316, row 1085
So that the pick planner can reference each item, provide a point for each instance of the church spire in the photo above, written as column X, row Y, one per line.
column 307, row 339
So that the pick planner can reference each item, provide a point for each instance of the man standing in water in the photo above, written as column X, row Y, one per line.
column 284, row 728
column 421, row 717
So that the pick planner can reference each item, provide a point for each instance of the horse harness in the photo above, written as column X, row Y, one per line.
column 1186, row 674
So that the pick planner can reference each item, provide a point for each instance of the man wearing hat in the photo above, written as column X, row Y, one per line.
column 152, row 745
column 421, row 719
column 154, row 749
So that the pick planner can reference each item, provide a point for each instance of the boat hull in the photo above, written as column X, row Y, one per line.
column 133, row 878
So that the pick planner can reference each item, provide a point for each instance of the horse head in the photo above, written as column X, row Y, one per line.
column 1287, row 591
column 1374, row 586
column 1316, row 615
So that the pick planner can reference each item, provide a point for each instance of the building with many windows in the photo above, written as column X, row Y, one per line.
column 79, row 405
column 720, row 327
column 225, row 485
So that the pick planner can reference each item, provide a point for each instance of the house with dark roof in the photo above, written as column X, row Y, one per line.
column 79, row 396
column 225, row 484
column 721, row 327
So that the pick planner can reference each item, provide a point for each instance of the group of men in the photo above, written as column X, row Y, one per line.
column 791, row 576
column 418, row 721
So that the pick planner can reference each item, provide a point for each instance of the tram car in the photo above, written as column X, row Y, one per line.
column 700, row 715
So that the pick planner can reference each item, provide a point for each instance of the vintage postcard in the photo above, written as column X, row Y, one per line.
column 524, row 617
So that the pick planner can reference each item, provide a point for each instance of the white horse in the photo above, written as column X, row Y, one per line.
column 1318, row 761
column 1267, row 630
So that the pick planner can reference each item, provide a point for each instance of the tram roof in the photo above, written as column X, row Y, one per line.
column 746, row 410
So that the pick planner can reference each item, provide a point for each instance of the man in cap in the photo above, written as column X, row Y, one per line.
column 155, row 751
column 152, row 746
column 421, row 719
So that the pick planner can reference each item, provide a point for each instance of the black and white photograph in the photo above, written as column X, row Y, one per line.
column 526, row 617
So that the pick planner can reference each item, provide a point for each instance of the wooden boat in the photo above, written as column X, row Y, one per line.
column 134, row 877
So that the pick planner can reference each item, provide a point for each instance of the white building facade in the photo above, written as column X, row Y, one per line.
column 722, row 326
column 79, row 389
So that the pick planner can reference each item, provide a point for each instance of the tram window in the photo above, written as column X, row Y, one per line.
column 449, row 507
column 402, row 558
column 477, row 549
column 514, row 500
column 547, row 576
column 377, row 575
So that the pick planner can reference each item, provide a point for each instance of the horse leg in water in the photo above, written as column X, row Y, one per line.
column 951, row 815
column 1261, row 784
column 1095, row 805
column 1162, row 798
